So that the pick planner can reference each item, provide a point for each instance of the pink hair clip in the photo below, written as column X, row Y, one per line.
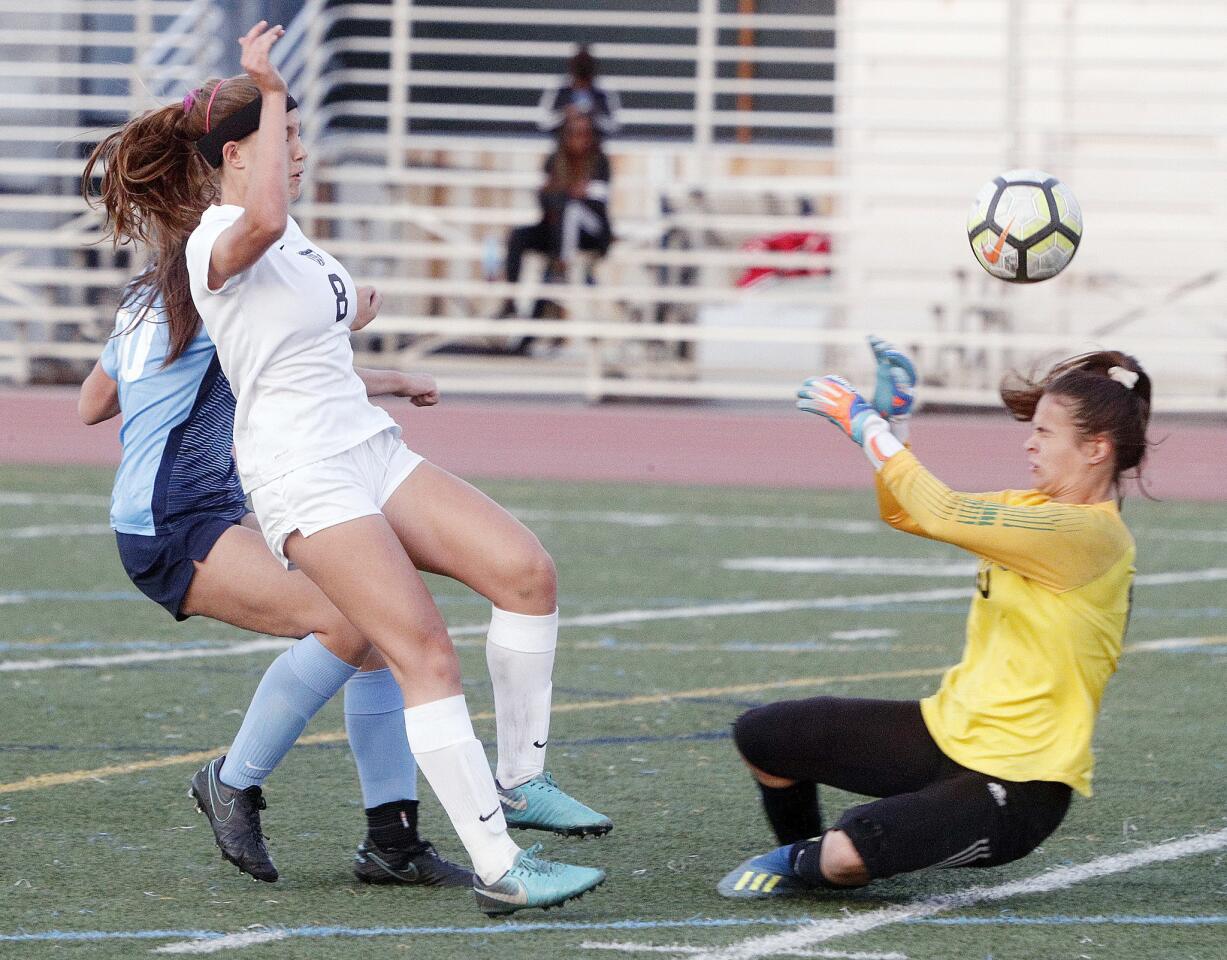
column 189, row 100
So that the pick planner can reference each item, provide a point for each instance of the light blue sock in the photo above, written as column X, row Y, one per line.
column 293, row 688
column 375, row 722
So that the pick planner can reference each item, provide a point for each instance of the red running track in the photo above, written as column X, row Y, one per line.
column 657, row 443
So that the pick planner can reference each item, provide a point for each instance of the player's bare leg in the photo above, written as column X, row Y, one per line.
column 363, row 568
column 449, row 527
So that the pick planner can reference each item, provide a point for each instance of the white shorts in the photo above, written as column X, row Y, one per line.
column 353, row 483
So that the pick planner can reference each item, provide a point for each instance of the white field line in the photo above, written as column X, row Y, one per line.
column 266, row 644
column 614, row 618
column 233, row 941
column 609, row 518
column 632, row 519
column 1181, row 576
column 1186, row 536
column 857, row 566
column 47, row 531
column 16, row 498
column 638, row 616
column 683, row 950
column 744, row 646
column 148, row 656
column 920, row 567
column 479, row 629
column 1059, row 878
column 749, row 607
column 1176, row 643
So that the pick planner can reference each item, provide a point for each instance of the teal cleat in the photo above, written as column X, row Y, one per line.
column 539, row 804
column 532, row 882
column 767, row 875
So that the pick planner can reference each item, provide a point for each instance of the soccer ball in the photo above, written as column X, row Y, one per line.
column 1024, row 226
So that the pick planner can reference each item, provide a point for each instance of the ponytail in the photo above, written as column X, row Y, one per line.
column 154, row 188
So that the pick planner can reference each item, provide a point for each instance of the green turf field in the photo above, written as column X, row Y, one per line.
column 115, row 863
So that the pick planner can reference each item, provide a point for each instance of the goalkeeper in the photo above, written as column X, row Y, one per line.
column 982, row 771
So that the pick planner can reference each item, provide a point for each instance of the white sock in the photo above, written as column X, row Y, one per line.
column 441, row 738
column 520, row 655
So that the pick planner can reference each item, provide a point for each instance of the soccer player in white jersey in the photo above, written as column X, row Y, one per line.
column 188, row 542
column 336, row 492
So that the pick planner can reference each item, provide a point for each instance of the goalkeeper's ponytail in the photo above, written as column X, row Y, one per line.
column 1108, row 394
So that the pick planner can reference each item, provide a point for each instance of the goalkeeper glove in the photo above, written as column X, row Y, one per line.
column 895, row 390
column 835, row 399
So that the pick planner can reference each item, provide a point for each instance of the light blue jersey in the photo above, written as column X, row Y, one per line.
column 177, row 442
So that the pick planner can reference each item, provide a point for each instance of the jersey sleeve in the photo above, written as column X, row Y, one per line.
column 895, row 514
column 126, row 317
column 200, row 251
column 1060, row 546
column 109, row 361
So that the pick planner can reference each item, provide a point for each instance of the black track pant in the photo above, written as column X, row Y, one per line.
column 547, row 238
column 933, row 812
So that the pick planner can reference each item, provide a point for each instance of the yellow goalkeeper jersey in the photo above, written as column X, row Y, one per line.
column 1046, row 625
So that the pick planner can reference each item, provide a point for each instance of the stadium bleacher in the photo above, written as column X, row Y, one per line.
column 872, row 123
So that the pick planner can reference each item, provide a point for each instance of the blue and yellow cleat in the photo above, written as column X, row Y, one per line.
column 767, row 875
column 539, row 804
column 533, row 882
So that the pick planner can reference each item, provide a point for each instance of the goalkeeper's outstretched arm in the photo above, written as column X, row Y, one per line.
column 1057, row 545
column 1060, row 546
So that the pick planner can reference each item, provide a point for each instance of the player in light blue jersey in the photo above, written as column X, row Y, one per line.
column 189, row 543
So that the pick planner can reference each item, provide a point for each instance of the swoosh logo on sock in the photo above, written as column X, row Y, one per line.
column 490, row 814
column 539, row 746
column 215, row 796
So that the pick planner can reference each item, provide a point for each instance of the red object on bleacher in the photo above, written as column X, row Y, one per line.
column 797, row 241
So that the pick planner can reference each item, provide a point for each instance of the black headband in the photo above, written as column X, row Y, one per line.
column 243, row 122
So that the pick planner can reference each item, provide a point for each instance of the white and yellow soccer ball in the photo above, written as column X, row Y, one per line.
column 1024, row 226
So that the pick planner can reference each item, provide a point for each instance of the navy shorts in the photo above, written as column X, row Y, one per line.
column 162, row 566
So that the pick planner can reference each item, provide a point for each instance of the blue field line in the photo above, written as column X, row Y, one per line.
column 87, row 936
column 1008, row 920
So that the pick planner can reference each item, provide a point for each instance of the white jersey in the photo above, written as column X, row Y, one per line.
column 282, row 334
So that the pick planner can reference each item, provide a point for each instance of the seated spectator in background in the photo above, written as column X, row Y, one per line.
column 574, row 205
column 580, row 94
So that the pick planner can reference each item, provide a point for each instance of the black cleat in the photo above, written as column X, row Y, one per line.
column 234, row 815
column 419, row 865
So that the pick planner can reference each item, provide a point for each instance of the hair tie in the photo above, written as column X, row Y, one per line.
column 189, row 100
column 209, row 108
column 1126, row 378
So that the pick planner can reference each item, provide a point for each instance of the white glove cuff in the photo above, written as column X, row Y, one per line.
column 880, row 444
column 901, row 427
